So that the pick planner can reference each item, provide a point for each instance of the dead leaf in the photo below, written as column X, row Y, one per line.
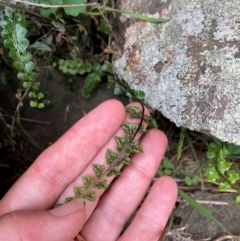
column 108, row 50
column 82, row 29
column 58, row 38
column 19, row 96
column 94, row 19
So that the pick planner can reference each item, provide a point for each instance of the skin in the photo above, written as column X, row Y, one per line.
column 27, row 213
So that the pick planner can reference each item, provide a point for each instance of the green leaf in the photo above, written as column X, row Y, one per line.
column 237, row 199
column 87, row 182
column 7, row 31
column 22, row 45
column 69, row 199
column 29, row 66
column 111, row 156
column 224, row 166
column 134, row 111
column 36, row 85
column 195, row 179
column 126, row 160
column 8, row 43
column 40, row 95
column 27, row 85
column 212, row 150
column 32, row 94
column 98, row 169
column 167, row 172
column 8, row 12
column 61, row 61
column 74, row 11
column 92, row 81
column 234, row 149
column 119, row 90
column 4, row 23
column 46, row 12
column 233, row 176
column 61, row 27
column 33, row 103
column 41, row 46
column 72, row 71
column 20, row 35
column 32, row 76
column 167, row 164
column 101, row 185
column 18, row 65
column 40, row 105
column 78, row 191
column 114, row 172
column 13, row 54
column 23, row 76
column 223, row 186
column 72, row 63
column 121, row 143
column 151, row 121
column 188, row 180
column 139, row 95
column 225, row 149
column 136, row 148
column 107, row 67
column 25, row 57
column 104, row 27
column 20, row 18
column 90, row 196
column 130, row 128
column 211, row 173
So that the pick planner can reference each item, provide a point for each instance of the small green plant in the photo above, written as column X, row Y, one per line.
column 166, row 167
column 126, row 147
column 14, row 33
column 124, row 88
column 220, row 169
column 94, row 69
column 191, row 180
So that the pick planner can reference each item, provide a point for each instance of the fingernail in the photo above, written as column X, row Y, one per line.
column 68, row 208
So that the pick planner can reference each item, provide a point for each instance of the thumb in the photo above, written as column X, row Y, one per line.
column 62, row 223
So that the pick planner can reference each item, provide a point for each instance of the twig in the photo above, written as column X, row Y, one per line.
column 29, row 120
column 20, row 8
column 227, row 237
column 56, row 6
column 208, row 202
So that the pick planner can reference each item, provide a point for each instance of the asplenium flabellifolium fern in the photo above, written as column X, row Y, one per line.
column 14, row 33
column 126, row 147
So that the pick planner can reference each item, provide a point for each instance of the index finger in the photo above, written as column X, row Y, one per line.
column 56, row 167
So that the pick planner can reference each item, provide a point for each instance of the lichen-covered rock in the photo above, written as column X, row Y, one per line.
column 189, row 68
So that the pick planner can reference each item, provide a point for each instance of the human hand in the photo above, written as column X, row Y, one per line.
column 24, row 210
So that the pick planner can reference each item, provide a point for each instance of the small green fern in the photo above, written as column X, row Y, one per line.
column 14, row 34
column 126, row 147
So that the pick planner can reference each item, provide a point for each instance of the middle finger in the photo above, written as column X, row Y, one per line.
column 124, row 196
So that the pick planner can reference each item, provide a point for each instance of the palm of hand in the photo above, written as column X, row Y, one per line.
column 58, row 169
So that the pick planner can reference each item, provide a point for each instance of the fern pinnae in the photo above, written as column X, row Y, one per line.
column 126, row 146
column 121, row 154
